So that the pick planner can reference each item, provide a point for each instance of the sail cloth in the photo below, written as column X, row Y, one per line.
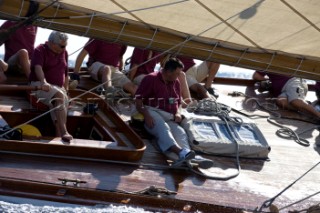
column 278, row 36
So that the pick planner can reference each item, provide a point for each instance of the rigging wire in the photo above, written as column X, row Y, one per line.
column 268, row 203
column 299, row 201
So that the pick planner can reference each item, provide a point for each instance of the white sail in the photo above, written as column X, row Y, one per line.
column 280, row 36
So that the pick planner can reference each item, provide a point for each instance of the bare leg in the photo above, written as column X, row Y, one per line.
column 61, row 116
column 105, row 75
column 298, row 105
column 213, row 69
column 185, row 93
column 23, row 61
column 3, row 68
column 200, row 91
column 130, row 87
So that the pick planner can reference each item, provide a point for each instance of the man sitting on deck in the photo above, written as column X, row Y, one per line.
column 143, row 62
column 290, row 92
column 19, row 47
column 104, row 64
column 161, row 91
column 49, row 71
column 195, row 74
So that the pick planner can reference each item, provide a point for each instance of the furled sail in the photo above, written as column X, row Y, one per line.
column 278, row 36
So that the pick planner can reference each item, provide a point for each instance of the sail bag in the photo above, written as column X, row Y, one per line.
column 212, row 136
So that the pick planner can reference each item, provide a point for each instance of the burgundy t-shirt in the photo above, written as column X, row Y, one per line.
column 139, row 56
column 104, row 52
column 278, row 81
column 22, row 38
column 54, row 66
column 187, row 62
column 156, row 93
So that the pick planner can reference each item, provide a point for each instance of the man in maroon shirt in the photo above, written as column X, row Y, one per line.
column 143, row 62
column 19, row 47
column 104, row 64
column 289, row 91
column 158, row 99
column 49, row 71
column 195, row 74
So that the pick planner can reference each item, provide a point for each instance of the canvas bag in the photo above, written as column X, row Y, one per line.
column 210, row 135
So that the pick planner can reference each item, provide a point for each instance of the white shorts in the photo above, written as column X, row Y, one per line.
column 295, row 88
column 137, row 80
column 197, row 73
column 46, row 97
column 118, row 78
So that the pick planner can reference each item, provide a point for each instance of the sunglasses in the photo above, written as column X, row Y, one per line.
column 61, row 46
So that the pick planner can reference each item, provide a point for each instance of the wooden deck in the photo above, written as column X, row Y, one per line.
column 258, row 180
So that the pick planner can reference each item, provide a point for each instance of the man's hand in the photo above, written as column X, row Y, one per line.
column 45, row 87
column 178, row 118
column 149, row 121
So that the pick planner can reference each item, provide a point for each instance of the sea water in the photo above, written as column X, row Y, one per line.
column 21, row 205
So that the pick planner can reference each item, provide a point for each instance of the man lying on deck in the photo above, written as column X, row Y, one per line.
column 290, row 92
column 161, row 91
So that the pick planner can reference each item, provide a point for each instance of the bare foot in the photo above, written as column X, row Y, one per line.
column 66, row 137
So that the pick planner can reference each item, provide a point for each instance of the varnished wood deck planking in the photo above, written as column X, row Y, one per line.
column 258, row 181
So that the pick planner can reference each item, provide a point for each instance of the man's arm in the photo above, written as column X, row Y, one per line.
column 258, row 76
column 145, row 112
column 66, row 83
column 121, row 64
column 133, row 71
column 79, row 60
column 40, row 76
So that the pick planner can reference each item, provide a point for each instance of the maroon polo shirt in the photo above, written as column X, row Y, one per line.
column 187, row 62
column 278, row 81
column 22, row 38
column 54, row 66
column 104, row 52
column 156, row 93
column 140, row 56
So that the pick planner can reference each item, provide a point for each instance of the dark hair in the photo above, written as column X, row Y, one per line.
column 172, row 64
